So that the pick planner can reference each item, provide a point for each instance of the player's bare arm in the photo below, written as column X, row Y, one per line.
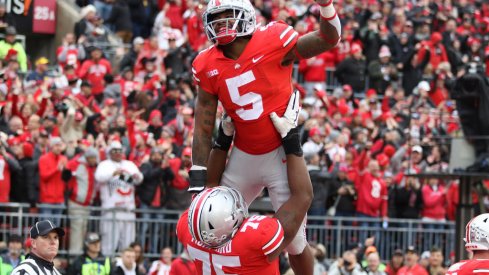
column 291, row 214
column 205, row 117
column 324, row 39
column 218, row 155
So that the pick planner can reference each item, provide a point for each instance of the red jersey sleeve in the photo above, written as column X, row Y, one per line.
column 287, row 36
column 271, row 235
column 183, row 233
column 199, row 71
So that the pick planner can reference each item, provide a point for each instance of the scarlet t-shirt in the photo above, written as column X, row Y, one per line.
column 253, row 86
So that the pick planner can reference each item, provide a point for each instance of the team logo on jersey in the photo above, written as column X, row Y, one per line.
column 237, row 66
column 212, row 73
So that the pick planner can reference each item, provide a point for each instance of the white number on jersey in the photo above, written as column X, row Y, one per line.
column 218, row 261
column 252, row 98
column 252, row 222
column 375, row 189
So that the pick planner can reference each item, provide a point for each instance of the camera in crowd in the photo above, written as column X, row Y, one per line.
column 61, row 107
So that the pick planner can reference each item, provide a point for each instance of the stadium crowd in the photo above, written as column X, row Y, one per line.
column 90, row 128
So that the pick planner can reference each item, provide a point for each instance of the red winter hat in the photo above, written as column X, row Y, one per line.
column 187, row 152
column 371, row 93
column 389, row 150
column 347, row 87
column 154, row 114
column 436, row 37
column 355, row 48
column 314, row 131
column 383, row 159
column 28, row 149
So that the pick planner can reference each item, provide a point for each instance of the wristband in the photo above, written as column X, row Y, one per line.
column 222, row 142
column 197, row 178
column 292, row 143
column 327, row 12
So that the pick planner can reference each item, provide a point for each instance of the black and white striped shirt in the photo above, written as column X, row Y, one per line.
column 35, row 266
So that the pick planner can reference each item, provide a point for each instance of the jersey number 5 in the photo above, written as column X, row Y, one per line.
column 252, row 98
column 218, row 261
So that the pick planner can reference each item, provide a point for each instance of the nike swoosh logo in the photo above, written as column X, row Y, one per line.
column 257, row 59
column 284, row 160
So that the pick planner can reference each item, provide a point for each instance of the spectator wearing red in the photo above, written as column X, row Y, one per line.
column 180, row 127
column 79, row 174
column 314, row 70
column 178, row 197
column 183, row 264
column 396, row 263
column 196, row 37
column 127, row 86
column 436, row 50
column 28, row 108
column 439, row 94
column 93, row 70
column 412, row 267
column 140, row 150
column 70, row 52
column 372, row 195
column 52, row 186
column 434, row 210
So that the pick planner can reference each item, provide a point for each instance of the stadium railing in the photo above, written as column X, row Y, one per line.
column 336, row 233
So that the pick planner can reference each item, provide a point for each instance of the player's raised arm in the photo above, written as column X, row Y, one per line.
column 219, row 152
column 205, row 117
column 291, row 214
column 326, row 38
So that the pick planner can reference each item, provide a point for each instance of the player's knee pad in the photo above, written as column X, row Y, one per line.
column 299, row 242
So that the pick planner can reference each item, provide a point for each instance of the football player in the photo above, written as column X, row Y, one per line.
column 477, row 241
column 249, row 70
column 220, row 236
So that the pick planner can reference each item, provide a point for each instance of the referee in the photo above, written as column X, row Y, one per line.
column 45, row 242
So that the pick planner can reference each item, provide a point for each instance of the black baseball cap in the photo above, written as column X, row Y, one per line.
column 92, row 237
column 43, row 228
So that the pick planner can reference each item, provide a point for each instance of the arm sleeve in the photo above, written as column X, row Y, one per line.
column 182, row 228
column 103, row 173
column 271, row 235
column 13, row 164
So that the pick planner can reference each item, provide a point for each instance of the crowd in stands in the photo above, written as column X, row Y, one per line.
column 90, row 129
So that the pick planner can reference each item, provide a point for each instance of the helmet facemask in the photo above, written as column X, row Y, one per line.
column 240, row 21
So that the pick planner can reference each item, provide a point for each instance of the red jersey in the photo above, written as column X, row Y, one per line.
column 246, row 253
column 372, row 195
column 253, row 86
column 469, row 267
